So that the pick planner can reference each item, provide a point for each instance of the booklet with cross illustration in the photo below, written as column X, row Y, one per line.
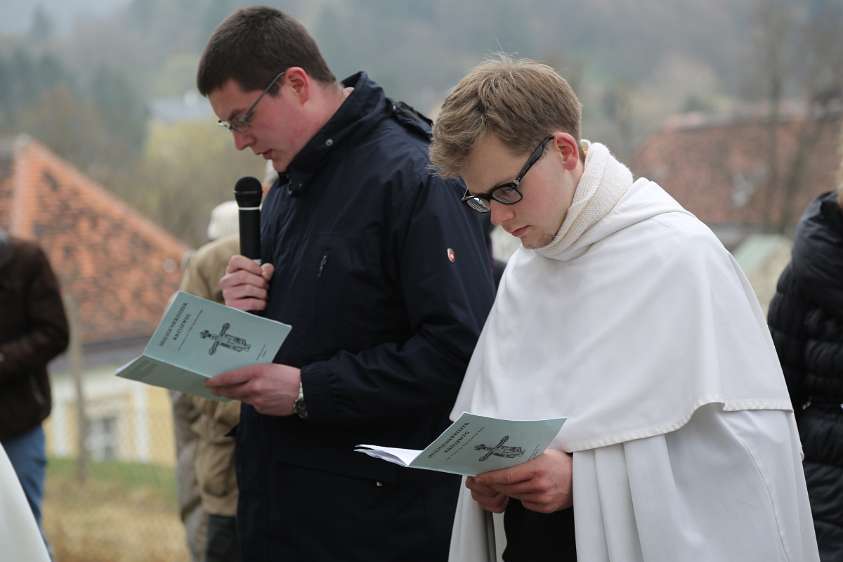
column 475, row 444
column 197, row 339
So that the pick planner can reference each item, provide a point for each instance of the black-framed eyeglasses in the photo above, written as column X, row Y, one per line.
column 243, row 120
column 507, row 193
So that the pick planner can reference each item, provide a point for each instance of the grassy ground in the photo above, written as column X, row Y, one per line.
column 124, row 512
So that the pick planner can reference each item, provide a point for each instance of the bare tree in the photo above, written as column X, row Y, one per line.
column 822, row 93
column 77, row 370
column 800, row 56
column 774, row 24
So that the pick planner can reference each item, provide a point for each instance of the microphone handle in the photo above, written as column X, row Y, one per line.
column 250, row 229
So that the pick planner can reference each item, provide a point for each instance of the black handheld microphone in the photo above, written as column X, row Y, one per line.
column 248, row 193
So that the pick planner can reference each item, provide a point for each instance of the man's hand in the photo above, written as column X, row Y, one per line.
column 245, row 283
column 487, row 497
column 269, row 387
column 542, row 485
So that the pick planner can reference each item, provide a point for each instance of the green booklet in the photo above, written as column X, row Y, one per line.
column 475, row 444
column 197, row 339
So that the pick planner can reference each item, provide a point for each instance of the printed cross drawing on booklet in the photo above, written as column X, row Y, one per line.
column 475, row 444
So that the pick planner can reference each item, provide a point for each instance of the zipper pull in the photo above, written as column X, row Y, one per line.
column 322, row 266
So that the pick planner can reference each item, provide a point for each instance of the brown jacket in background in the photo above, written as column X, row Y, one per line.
column 215, row 451
column 33, row 330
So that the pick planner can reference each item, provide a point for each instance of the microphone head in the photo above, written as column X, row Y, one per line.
column 248, row 192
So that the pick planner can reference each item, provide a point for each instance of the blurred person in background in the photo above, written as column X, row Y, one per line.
column 204, row 464
column 214, row 463
column 386, row 281
column 195, row 520
column 33, row 330
column 215, row 476
column 806, row 321
column 624, row 313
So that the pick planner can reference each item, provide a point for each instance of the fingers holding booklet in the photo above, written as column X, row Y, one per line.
column 474, row 445
column 271, row 388
column 543, row 484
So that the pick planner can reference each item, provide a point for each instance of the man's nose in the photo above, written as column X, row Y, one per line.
column 500, row 213
column 241, row 140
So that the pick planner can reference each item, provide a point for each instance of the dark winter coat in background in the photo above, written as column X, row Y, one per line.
column 33, row 330
column 806, row 321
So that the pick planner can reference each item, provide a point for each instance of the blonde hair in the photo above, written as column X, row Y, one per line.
column 519, row 101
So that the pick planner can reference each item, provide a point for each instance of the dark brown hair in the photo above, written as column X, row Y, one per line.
column 252, row 45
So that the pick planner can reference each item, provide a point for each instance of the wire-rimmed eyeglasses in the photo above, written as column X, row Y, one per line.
column 242, row 121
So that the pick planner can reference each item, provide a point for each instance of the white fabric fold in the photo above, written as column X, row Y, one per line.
column 634, row 501
column 20, row 538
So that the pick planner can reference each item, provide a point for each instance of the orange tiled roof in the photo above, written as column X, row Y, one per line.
column 119, row 267
column 718, row 171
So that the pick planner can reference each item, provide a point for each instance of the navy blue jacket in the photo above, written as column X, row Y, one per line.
column 385, row 277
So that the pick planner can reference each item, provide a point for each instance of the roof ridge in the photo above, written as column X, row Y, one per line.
column 103, row 196
column 119, row 265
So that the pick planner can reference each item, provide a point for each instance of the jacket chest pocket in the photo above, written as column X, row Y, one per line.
column 347, row 282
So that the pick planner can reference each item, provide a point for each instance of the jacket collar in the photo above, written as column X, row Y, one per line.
column 362, row 110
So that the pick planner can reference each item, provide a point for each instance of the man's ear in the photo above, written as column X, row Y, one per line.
column 299, row 82
column 568, row 147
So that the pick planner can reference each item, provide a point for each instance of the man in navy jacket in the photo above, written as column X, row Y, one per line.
column 386, row 281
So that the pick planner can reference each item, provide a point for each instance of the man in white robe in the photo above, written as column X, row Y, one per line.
column 622, row 312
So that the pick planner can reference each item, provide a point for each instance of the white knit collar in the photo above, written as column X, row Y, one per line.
column 603, row 183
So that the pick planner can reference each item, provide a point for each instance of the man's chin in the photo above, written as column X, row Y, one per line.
column 279, row 165
column 535, row 244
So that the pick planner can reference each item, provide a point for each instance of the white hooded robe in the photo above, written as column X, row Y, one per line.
column 639, row 327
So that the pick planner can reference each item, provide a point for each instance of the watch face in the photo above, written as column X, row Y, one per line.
column 299, row 408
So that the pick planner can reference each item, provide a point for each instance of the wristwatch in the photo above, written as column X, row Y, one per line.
column 299, row 407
